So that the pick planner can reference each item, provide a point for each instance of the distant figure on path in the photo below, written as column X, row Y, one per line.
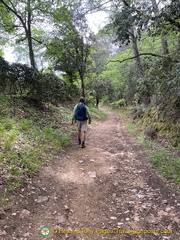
column 81, row 114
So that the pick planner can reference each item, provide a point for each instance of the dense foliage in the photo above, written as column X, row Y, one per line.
column 21, row 80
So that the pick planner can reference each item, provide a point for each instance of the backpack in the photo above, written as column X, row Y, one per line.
column 80, row 113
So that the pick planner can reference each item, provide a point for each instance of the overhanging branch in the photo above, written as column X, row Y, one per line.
column 38, row 41
column 125, row 3
column 13, row 10
column 141, row 54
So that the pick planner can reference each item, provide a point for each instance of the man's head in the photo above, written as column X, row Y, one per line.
column 82, row 100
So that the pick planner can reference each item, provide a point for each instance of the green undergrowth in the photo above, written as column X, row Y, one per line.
column 162, row 155
column 31, row 134
column 97, row 114
column 163, row 158
column 166, row 121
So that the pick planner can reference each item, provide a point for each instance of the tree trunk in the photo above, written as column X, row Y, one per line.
column 30, row 47
column 29, row 37
column 164, row 43
column 136, row 53
column 82, row 85
column 97, row 101
column 164, row 46
column 26, row 23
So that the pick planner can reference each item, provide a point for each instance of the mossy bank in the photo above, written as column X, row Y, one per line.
column 159, row 132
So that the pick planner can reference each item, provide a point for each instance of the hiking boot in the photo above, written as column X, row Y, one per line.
column 79, row 141
column 83, row 145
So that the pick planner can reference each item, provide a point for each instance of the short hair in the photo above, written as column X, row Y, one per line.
column 82, row 99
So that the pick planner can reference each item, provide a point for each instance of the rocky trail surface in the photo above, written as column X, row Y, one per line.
column 106, row 191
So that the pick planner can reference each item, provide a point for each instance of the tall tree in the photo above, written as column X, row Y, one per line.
column 103, row 49
column 71, row 55
column 100, row 88
column 124, row 22
column 71, row 46
column 27, row 14
column 163, row 41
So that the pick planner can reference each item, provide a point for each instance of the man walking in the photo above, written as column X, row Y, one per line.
column 81, row 114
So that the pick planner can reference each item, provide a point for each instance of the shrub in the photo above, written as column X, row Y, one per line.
column 21, row 80
column 119, row 103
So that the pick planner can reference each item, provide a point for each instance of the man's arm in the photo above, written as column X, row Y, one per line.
column 88, row 114
column 73, row 114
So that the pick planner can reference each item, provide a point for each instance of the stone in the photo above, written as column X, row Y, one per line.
column 3, row 233
column 92, row 174
column 24, row 214
column 26, row 234
column 66, row 207
column 119, row 223
column 61, row 219
column 41, row 199
column 91, row 160
column 140, row 195
column 136, row 219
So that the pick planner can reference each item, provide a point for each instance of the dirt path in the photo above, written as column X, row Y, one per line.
column 96, row 193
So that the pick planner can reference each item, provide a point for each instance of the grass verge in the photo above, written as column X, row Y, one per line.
column 31, row 134
column 161, row 157
column 97, row 114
